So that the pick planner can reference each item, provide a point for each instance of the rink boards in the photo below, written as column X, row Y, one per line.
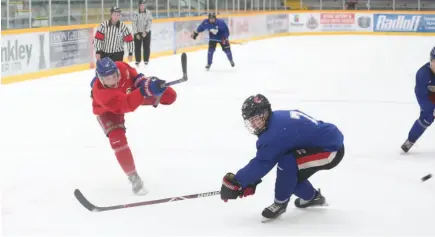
column 40, row 52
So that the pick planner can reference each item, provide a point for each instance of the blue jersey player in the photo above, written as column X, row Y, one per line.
column 218, row 33
column 297, row 143
column 425, row 93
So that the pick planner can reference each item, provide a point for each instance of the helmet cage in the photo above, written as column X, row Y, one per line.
column 111, row 80
column 257, row 123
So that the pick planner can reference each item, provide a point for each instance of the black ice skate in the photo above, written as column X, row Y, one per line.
column 137, row 184
column 407, row 146
column 208, row 67
column 146, row 62
column 137, row 64
column 232, row 63
column 318, row 200
column 274, row 210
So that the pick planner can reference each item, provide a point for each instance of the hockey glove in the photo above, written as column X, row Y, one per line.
column 194, row 35
column 151, row 86
column 231, row 188
column 224, row 41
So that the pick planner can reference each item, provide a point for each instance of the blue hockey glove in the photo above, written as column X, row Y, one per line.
column 151, row 86
column 232, row 189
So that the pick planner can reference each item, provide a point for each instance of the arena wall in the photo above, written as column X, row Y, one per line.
column 28, row 54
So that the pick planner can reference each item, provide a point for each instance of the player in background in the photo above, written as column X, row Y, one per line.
column 218, row 33
column 298, row 143
column 425, row 93
column 118, row 89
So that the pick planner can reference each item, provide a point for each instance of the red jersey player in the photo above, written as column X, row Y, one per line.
column 119, row 90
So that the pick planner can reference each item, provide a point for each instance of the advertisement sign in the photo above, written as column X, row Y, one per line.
column 239, row 27
column 403, row 23
column 330, row 22
column 301, row 22
column 396, row 23
column 24, row 53
column 277, row 23
column 245, row 27
column 364, row 22
column 427, row 23
column 337, row 22
column 162, row 37
column 183, row 34
column 70, row 47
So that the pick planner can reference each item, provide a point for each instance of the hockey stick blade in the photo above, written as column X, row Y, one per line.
column 183, row 79
column 84, row 201
column 91, row 207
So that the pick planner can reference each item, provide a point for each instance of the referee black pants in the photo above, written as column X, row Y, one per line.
column 145, row 43
column 118, row 56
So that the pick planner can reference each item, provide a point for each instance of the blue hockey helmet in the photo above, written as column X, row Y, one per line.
column 256, row 110
column 107, row 72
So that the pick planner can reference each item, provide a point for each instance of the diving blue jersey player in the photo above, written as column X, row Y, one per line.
column 218, row 33
column 297, row 143
column 425, row 93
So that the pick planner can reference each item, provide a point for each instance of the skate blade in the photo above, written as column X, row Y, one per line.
column 141, row 192
column 267, row 220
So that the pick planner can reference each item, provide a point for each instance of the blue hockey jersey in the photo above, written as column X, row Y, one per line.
column 424, row 79
column 288, row 130
column 217, row 31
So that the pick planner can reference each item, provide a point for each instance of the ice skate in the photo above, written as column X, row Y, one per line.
column 137, row 184
column 274, row 211
column 208, row 67
column 407, row 146
column 146, row 63
column 317, row 200
column 232, row 63
column 137, row 64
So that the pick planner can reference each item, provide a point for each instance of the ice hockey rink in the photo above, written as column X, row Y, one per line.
column 51, row 144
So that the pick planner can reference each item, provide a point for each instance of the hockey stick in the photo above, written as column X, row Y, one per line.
column 93, row 208
column 183, row 79
column 231, row 42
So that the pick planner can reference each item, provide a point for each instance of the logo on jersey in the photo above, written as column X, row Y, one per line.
column 128, row 91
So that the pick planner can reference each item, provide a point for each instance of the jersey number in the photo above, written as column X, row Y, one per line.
column 297, row 115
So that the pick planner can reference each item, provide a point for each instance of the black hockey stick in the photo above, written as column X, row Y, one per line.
column 183, row 79
column 93, row 208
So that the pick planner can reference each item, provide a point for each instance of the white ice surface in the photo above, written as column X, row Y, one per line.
column 50, row 144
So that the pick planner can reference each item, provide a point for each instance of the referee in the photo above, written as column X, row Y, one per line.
column 111, row 36
column 142, row 33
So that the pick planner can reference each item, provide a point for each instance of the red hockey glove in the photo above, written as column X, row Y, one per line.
column 232, row 189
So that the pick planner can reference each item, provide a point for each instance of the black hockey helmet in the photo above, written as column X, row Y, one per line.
column 256, row 110
column 115, row 9
column 212, row 15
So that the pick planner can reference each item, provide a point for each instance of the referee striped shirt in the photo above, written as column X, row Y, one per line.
column 110, row 38
column 142, row 21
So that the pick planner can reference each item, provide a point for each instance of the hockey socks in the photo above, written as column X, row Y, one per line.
column 210, row 56
column 229, row 54
column 123, row 154
column 417, row 130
